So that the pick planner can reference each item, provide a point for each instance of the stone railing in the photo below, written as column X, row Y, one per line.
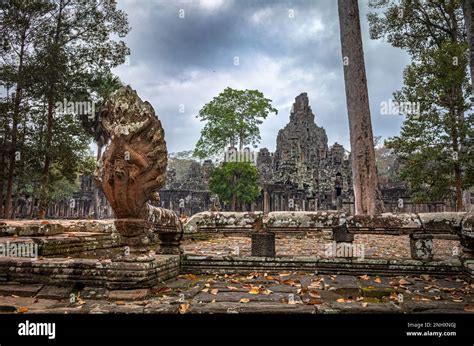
column 421, row 228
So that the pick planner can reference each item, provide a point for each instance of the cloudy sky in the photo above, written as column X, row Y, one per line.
column 283, row 48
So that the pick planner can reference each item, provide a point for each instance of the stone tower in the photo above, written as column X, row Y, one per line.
column 301, row 147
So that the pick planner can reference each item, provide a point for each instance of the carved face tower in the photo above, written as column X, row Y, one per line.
column 133, row 165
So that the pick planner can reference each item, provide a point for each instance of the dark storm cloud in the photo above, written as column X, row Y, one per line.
column 283, row 48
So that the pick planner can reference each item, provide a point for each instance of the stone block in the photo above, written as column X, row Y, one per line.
column 137, row 294
column 421, row 246
column 263, row 244
column 341, row 235
column 54, row 292
column 20, row 290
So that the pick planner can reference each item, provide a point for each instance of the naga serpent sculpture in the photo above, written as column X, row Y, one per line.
column 132, row 170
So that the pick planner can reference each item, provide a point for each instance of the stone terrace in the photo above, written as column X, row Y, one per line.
column 286, row 292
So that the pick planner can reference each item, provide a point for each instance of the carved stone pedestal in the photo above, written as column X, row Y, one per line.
column 136, row 235
column 170, row 241
column 421, row 246
column 263, row 244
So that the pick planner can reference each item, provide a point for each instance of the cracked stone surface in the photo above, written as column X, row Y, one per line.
column 286, row 292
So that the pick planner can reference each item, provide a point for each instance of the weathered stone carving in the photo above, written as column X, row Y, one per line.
column 313, row 173
column 421, row 246
column 133, row 168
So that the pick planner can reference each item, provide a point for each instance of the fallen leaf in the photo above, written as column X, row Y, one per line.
column 214, row 291
column 254, row 290
column 364, row 277
column 394, row 296
column 437, row 298
column 364, row 305
column 378, row 280
column 120, row 302
column 205, row 290
column 404, row 282
column 425, row 277
column 469, row 308
column 314, row 294
column 188, row 277
column 341, row 300
column 291, row 282
column 232, row 288
column 163, row 290
column 269, row 277
column 265, row 291
column 457, row 300
column 315, row 302
column 22, row 309
column 183, row 308
column 244, row 300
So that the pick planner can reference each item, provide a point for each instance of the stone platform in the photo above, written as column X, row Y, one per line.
column 258, row 292
column 234, row 265
column 119, row 273
column 90, row 259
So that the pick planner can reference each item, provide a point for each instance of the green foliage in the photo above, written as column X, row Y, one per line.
column 433, row 147
column 388, row 167
column 102, row 86
column 233, row 117
column 53, row 51
column 431, row 144
column 416, row 25
column 235, row 179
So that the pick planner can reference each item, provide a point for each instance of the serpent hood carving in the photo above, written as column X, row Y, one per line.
column 133, row 168
column 133, row 165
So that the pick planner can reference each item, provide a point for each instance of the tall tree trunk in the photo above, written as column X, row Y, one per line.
column 234, row 196
column 468, row 10
column 96, row 190
column 366, row 192
column 44, row 190
column 14, row 133
column 4, row 153
column 43, row 204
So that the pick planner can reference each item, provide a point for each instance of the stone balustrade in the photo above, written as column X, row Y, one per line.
column 421, row 227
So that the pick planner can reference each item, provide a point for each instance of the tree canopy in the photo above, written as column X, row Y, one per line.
column 232, row 118
column 433, row 146
column 235, row 182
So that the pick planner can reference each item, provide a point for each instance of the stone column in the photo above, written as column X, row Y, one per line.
column 136, row 235
column 266, row 202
